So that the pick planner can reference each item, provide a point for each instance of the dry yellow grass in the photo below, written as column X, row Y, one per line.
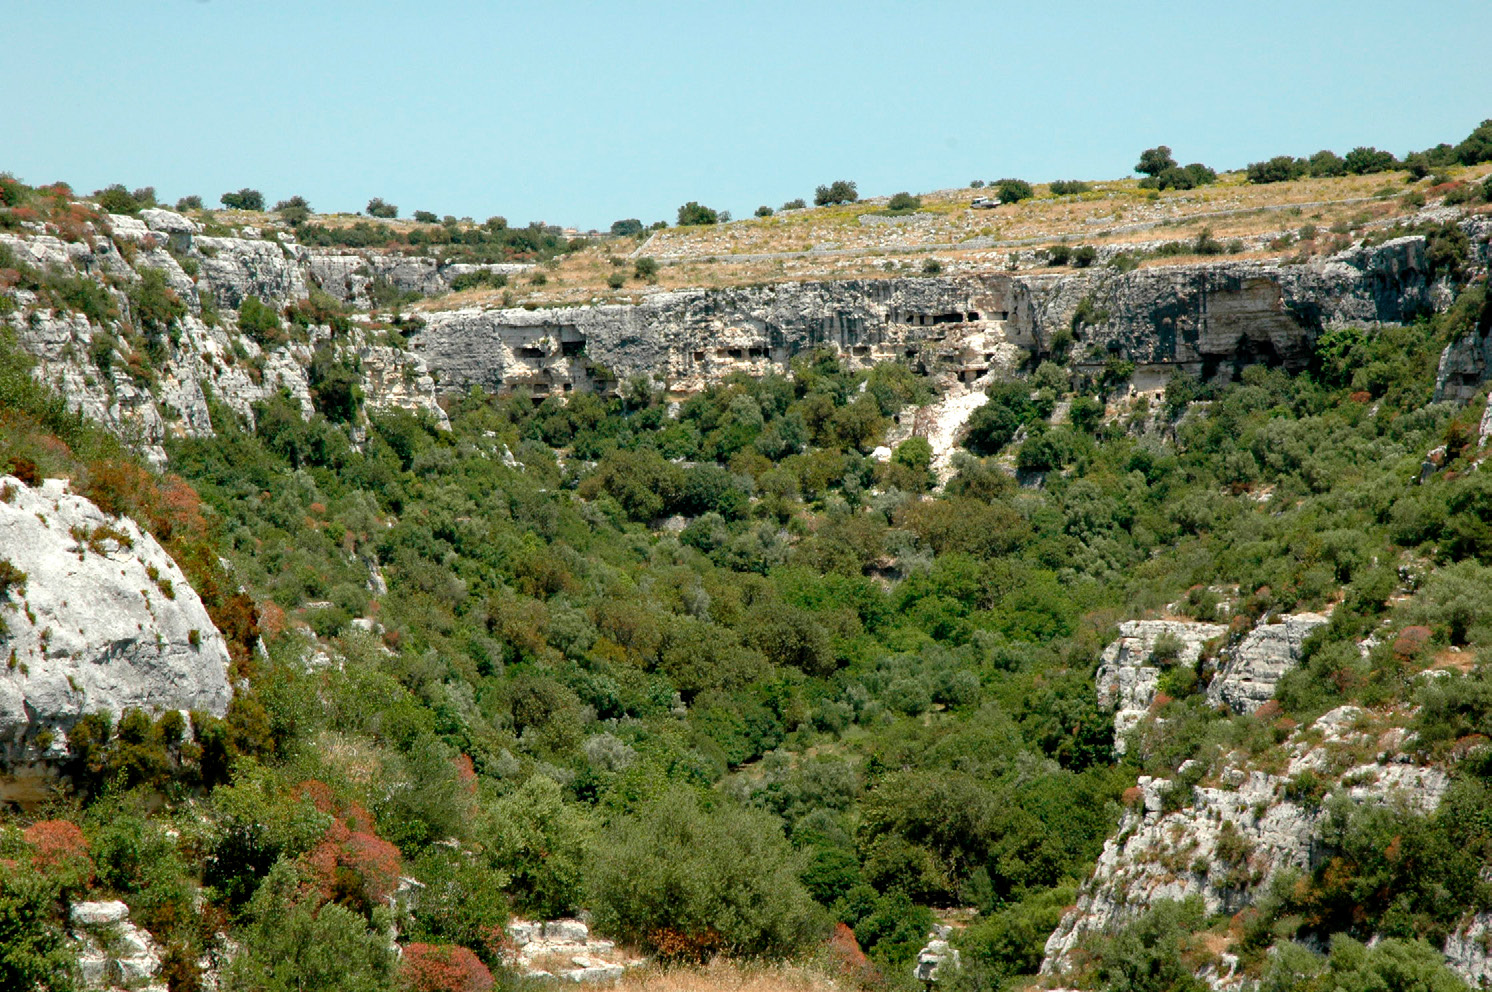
column 722, row 975
column 1115, row 212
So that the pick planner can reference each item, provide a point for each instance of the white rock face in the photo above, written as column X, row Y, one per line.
column 1468, row 951
column 1126, row 677
column 1257, row 663
column 93, row 630
column 564, row 949
column 936, row 958
column 1232, row 838
column 99, row 913
column 111, row 950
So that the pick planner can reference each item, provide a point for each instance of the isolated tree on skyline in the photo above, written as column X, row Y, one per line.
column 839, row 191
column 1154, row 161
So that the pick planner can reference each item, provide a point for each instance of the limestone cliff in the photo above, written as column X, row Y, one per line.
column 1202, row 317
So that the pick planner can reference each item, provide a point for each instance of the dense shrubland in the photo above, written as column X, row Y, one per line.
column 723, row 679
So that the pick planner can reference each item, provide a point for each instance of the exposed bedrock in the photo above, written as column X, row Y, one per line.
column 103, row 620
column 1205, row 318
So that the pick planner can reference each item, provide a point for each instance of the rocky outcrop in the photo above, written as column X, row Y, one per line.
column 688, row 339
column 1229, row 837
column 1130, row 668
column 937, row 958
column 1254, row 666
column 564, row 949
column 1468, row 951
column 104, row 621
column 112, row 951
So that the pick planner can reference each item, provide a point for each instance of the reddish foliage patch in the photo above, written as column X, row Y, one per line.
column 1133, row 795
column 1411, row 641
column 443, row 968
column 1268, row 711
column 466, row 772
column 674, row 945
column 351, row 864
column 1361, row 396
column 845, row 951
column 58, row 844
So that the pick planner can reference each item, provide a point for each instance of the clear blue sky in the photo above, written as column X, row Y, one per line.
column 582, row 113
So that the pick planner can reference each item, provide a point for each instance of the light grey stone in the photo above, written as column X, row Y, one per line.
column 92, row 630
column 1255, row 665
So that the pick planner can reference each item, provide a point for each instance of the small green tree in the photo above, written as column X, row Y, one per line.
column 426, row 217
column 1280, row 169
column 764, row 211
column 1154, row 161
column 244, row 199
column 378, row 208
column 626, row 228
column 694, row 214
column 797, row 204
column 1327, row 163
column 839, row 191
column 646, row 267
column 294, row 211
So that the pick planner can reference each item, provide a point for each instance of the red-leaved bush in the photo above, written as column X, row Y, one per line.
column 351, row 864
column 443, row 968
column 59, row 844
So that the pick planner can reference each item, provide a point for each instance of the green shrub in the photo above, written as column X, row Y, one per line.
column 1364, row 160
column 260, row 322
column 1352, row 967
column 384, row 211
column 35, row 952
column 764, row 211
column 903, row 203
column 646, row 267
column 692, row 879
column 692, row 214
column 1013, row 190
column 294, row 211
column 1068, row 187
column 797, row 204
column 1280, row 169
column 481, row 277
column 541, row 843
column 294, row 945
column 155, row 306
column 1326, row 163
column 117, row 200
column 991, row 426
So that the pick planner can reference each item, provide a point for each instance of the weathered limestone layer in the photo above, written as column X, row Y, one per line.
column 1204, row 318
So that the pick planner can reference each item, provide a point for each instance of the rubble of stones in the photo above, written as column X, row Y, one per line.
column 565, row 950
